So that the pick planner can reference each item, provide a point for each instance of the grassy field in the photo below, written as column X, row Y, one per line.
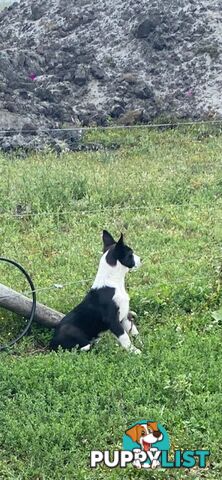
column 164, row 191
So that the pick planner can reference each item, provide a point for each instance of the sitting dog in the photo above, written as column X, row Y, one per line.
column 106, row 306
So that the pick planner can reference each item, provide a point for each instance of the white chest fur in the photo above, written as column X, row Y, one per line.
column 108, row 276
column 121, row 299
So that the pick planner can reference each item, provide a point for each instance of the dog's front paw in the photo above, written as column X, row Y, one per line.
column 132, row 314
column 134, row 332
column 140, row 341
column 135, row 350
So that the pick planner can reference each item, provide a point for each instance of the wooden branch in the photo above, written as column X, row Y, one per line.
column 17, row 303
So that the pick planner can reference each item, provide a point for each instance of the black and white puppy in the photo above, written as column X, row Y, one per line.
column 106, row 306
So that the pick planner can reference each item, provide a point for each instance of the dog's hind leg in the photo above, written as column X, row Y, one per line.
column 69, row 337
column 54, row 344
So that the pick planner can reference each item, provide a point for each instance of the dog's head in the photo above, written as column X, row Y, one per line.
column 145, row 435
column 119, row 251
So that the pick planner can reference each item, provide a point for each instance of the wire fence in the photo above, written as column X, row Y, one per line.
column 117, row 208
column 86, row 211
column 104, row 209
column 113, row 127
column 149, row 285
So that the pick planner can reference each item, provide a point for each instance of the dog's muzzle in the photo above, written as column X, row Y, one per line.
column 137, row 261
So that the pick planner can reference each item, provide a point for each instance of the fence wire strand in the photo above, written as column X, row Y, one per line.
column 61, row 286
column 148, row 286
column 106, row 208
column 112, row 127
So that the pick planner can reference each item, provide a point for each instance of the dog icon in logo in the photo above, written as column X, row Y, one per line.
column 145, row 435
column 149, row 437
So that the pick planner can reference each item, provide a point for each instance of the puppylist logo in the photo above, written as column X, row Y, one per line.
column 146, row 444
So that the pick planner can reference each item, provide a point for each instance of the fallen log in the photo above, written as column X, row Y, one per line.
column 17, row 303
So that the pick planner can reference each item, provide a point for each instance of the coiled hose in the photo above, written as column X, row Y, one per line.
column 33, row 309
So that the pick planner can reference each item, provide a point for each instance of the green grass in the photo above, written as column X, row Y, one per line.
column 164, row 191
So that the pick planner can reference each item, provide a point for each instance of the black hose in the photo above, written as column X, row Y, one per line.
column 33, row 309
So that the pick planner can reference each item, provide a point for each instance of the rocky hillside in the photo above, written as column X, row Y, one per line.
column 88, row 62
column 5, row 3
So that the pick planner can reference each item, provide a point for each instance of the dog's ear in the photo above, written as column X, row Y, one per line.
column 120, row 241
column 134, row 433
column 119, row 246
column 153, row 425
column 155, row 429
column 108, row 240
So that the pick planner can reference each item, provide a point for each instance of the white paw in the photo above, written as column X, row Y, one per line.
column 134, row 332
column 135, row 350
column 134, row 314
column 86, row 348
